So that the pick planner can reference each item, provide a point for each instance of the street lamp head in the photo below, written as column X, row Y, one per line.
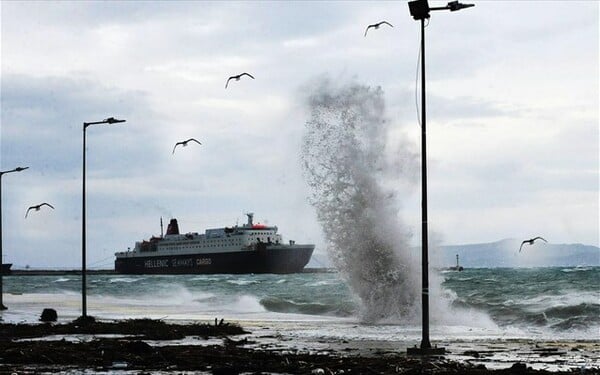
column 419, row 9
column 455, row 5
column 17, row 169
column 112, row 120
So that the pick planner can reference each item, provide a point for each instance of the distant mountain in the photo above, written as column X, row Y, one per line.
column 505, row 253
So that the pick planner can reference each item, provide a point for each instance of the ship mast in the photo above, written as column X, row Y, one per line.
column 161, row 228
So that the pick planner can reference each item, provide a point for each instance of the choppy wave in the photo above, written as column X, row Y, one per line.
column 242, row 282
column 206, row 278
column 124, row 280
column 542, row 298
column 539, row 300
column 281, row 305
column 577, row 269
column 322, row 283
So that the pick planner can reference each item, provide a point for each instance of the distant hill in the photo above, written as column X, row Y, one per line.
column 505, row 253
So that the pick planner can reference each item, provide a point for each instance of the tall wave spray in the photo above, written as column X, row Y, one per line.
column 345, row 163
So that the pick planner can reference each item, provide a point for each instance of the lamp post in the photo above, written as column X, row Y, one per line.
column 18, row 169
column 419, row 9
column 110, row 120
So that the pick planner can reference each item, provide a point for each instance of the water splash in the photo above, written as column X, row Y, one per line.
column 346, row 162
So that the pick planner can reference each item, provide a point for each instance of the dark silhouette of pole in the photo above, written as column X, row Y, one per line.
column 425, row 343
column 83, row 241
column 420, row 9
column 110, row 120
column 18, row 169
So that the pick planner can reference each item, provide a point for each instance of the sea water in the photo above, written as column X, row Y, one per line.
column 517, row 302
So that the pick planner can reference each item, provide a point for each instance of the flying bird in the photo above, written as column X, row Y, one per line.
column 37, row 208
column 531, row 241
column 184, row 143
column 376, row 26
column 237, row 78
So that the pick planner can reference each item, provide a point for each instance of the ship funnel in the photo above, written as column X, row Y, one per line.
column 250, row 216
column 173, row 227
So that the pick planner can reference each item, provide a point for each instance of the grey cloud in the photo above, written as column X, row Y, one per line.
column 42, row 118
column 443, row 108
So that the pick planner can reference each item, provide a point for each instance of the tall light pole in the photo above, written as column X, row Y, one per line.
column 110, row 120
column 419, row 9
column 18, row 169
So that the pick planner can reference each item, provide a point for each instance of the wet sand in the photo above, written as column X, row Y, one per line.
column 143, row 346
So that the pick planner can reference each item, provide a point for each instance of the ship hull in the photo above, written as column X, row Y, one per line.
column 5, row 270
column 281, row 260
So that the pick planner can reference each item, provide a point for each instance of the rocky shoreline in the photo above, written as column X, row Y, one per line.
column 147, row 346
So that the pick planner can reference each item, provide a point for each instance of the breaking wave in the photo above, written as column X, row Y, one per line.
column 545, row 298
column 282, row 305
column 346, row 163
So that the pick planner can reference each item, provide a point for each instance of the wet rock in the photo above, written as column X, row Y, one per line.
column 518, row 368
column 227, row 341
column 84, row 321
column 138, row 347
column 49, row 315
column 225, row 371
column 114, row 353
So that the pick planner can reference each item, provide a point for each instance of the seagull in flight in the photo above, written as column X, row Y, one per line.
column 184, row 143
column 37, row 208
column 237, row 78
column 531, row 241
column 376, row 26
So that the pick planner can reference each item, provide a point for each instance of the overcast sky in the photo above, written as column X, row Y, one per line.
column 513, row 128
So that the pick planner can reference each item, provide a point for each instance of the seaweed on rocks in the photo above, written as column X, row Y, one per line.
column 149, row 329
column 133, row 353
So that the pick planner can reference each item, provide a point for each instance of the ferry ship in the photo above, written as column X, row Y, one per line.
column 249, row 248
column 5, row 269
